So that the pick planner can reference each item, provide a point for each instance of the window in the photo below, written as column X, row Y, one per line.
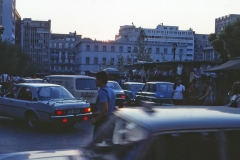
column 87, row 47
column 96, row 48
column 204, row 37
column 145, row 89
column 164, row 27
column 165, row 51
column 86, row 84
column 151, row 88
column 12, row 92
column 104, row 60
column 95, row 60
column 112, row 48
column 129, row 49
column 190, row 44
column 104, row 48
column 25, row 93
column 112, row 61
column 60, row 45
column 157, row 50
column 149, row 50
column 189, row 49
column 164, row 87
column 181, row 51
column 121, row 49
column 87, row 60
column 113, row 85
column 189, row 55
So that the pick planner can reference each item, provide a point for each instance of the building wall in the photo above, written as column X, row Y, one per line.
column 160, row 35
column 92, row 54
column 8, row 19
column 18, row 27
column 62, row 51
column 221, row 22
column 201, row 42
column 35, row 42
column 1, row 6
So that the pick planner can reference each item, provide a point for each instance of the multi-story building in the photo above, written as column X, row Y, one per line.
column 8, row 19
column 200, row 42
column 92, row 55
column 1, row 6
column 161, row 35
column 18, row 23
column 221, row 22
column 35, row 42
column 62, row 49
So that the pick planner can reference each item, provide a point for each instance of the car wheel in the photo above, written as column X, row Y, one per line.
column 32, row 120
column 70, row 124
column 120, row 106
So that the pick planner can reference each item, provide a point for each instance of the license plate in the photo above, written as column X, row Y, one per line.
column 73, row 111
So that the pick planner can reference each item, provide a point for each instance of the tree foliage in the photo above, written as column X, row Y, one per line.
column 227, row 42
column 120, row 62
column 140, row 51
column 14, row 60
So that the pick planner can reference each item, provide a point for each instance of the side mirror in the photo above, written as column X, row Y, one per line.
column 34, row 99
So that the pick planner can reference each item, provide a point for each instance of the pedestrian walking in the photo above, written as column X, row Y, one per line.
column 105, row 101
column 177, row 94
column 190, row 95
column 235, row 100
column 4, row 81
column 208, row 96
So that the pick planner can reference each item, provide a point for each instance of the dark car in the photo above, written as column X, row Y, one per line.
column 45, row 103
column 130, row 89
column 120, row 95
column 159, row 92
column 167, row 133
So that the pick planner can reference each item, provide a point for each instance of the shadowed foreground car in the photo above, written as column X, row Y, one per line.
column 166, row 133
column 43, row 103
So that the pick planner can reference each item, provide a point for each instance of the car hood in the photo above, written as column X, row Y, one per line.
column 41, row 155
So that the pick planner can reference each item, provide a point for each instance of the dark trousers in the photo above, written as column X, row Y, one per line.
column 5, row 86
column 177, row 102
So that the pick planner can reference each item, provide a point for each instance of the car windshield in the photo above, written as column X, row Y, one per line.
column 114, row 85
column 86, row 84
column 136, row 87
column 120, row 135
column 33, row 81
column 53, row 92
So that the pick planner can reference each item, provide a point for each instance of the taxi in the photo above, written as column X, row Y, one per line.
column 43, row 103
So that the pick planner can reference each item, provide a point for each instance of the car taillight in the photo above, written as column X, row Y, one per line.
column 87, row 110
column 65, row 120
column 59, row 112
column 85, row 118
column 123, row 96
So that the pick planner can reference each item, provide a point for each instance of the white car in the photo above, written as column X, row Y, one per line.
column 120, row 95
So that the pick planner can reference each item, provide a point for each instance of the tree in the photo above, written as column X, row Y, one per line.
column 120, row 62
column 227, row 42
column 140, row 51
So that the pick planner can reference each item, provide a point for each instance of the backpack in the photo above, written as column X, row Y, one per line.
column 233, row 103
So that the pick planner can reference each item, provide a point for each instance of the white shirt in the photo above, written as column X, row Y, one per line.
column 178, row 92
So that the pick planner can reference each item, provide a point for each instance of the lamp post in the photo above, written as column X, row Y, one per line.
column 174, row 50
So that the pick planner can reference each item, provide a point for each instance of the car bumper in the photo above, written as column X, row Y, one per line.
column 120, row 101
column 71, row 118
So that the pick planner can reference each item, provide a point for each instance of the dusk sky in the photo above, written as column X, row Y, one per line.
column 101, row 19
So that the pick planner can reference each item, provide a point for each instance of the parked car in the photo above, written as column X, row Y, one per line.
column 130, row 89
column 170, row 133
column 120, row 95
column 40, row 102
column 159, row 92
column 30, row 80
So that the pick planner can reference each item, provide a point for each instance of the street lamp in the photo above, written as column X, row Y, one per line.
column 174, row 50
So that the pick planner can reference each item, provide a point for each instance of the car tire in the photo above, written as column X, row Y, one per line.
column 32, row 120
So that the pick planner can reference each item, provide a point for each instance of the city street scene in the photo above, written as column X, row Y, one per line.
column 119, row 80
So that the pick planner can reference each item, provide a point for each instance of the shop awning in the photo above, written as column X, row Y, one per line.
column 233, row 64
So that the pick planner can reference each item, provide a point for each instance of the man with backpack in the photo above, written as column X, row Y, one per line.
column 105, row 101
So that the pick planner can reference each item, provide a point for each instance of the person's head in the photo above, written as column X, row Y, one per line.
column 206, row 84
column 190, row 85
column 236, row 88
column 178, row 81
column 101, row 78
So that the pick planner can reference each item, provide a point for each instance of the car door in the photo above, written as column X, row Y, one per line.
column 150, row 94
column 142, row 95
column 7, row 100
column 22, row 102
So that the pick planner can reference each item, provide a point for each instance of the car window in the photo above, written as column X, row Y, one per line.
column 136, row 87
column 145, row 89
column 164, row 87
column 151, row 88
column 12, row 92
column 25, row 93
column 211, row 145
column 125, row 86
column 114, row 85
column 86, row 84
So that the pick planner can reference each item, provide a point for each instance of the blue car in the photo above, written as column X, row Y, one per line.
column 130, row 89
column 158, row 92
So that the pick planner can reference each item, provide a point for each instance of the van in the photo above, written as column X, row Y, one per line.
column 79, row 85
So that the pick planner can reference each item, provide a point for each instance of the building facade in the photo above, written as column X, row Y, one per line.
column 221, row 22
column 162, row 35
column 18, row 26
column 35, row 42
column 200, row 42
column 94, row 55
column 62, row 49
column 1, row 12
column 209, row 54
column 8, row 19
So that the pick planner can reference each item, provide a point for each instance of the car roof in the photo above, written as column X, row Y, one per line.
column 64, row 76
column 113, row 81
column 133, row 83
column 34, row 79
column 159, row 83
column 36, row 84
column 183, row 118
